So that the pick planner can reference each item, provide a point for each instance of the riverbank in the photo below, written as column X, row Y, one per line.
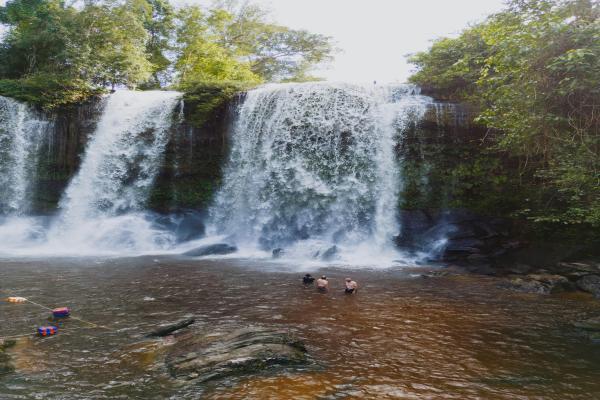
column 446, row 335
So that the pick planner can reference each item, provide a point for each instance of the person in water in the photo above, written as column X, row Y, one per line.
column 322, row 284
column 351, row 286
column 308, row 279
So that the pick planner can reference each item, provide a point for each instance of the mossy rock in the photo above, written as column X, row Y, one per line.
column 214, row 355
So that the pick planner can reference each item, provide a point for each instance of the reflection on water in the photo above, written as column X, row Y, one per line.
column 446, row 338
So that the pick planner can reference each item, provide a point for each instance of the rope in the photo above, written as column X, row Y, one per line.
column 50, row 309
column 73, row 317
column 15, row 336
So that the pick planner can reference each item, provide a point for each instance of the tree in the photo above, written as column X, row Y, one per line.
column 111, row 43
column 103, row 43
column 160, row 24
column 534, row 72
column 238, row 35
column 201, row 58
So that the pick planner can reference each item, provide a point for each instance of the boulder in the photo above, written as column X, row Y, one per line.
column 206, row 357
column 211, row 250
column 538, row 283
column 591, row 284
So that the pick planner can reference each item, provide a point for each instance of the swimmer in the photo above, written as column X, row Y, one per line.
column 322, row 284
column 351, row 286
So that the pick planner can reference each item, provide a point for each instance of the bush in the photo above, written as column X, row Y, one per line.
column 47, row 91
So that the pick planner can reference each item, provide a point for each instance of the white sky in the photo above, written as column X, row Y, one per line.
column 375, row 35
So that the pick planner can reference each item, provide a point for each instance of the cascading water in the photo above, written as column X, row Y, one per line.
column 102, row 209
column 21, row 132
column 313, row 166
column 103, row 206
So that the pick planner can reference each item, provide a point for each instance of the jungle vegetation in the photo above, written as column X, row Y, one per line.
column 54, row 52
column 533, row 73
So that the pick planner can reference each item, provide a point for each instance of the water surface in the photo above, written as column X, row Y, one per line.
column 402, row 336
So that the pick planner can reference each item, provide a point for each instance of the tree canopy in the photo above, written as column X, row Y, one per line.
column 146, row 44
column 533, row 70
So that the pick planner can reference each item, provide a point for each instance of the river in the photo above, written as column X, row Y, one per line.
column 401, row 337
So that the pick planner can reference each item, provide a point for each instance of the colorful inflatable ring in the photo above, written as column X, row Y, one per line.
column 47, row 330
column 61, row 312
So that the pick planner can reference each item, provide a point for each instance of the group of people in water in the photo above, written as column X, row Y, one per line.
column 350, row 286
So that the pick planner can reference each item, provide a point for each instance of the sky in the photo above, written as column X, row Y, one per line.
column 374, row 36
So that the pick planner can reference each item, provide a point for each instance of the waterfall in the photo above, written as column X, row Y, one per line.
column 314, row 166
column 102, row 209
column 21, row 133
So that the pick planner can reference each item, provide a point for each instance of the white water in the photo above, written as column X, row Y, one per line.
column 102, row 210
column 21, row 133
column 314, row 165
column 311, row 166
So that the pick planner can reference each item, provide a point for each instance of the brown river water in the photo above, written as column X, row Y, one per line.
column 401, row 337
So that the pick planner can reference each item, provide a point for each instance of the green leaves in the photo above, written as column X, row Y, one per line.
column 238, row 44
column 534, row 73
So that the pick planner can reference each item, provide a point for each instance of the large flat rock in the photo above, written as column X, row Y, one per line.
column 208, row 356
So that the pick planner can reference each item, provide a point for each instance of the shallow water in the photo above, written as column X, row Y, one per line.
column 401, row 336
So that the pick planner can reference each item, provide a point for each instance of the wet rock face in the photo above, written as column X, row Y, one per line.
column 205, row 357
column 456, row 235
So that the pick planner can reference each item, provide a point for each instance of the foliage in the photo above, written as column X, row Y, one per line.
column 48, row 91
column 534, row 72
column 201, row 58
column 145, row 44
column 203, row 98
column 160, row 24
column 234, row 41
column 102, row 44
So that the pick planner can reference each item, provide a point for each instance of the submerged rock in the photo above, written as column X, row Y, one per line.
column 278, row 252
column 191, row 226
column 590, row 324
column 5, row 364
column 330, row 253
column 591, row 284
column 205, row 357
column 211, row 249
column 538, row 283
